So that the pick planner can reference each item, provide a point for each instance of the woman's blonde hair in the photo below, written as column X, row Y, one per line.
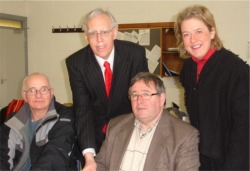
column 199, row 12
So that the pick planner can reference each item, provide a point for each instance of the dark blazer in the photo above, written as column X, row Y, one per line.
column 218, row 106
column 93, row 108
column 174, row 145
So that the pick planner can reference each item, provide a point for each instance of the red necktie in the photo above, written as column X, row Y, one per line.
column 108, row 77
column 108, row 80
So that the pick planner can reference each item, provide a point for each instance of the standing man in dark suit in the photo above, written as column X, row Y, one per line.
column 94, row 106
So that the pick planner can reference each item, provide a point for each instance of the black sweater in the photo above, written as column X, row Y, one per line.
column 218, row 106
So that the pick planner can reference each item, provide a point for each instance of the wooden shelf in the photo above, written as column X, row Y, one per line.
column 170, row 52
column 147, row 25
column 170, row 63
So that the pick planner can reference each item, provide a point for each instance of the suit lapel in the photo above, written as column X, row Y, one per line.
column 94, row 74
column 120, row 75
column 120, row 67
column 158, row 142
column 120, row 143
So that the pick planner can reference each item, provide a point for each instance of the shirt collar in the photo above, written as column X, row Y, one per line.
column 205, row 58
column 145, row 133
column 110, row 59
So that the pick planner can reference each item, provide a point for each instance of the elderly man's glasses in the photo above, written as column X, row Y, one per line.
column 103, row 33
column 144, row 96
column 34, row 91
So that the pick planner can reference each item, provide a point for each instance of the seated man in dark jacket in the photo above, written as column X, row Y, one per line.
column 41, row 134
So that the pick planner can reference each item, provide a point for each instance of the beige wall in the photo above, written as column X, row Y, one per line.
column 47, row 51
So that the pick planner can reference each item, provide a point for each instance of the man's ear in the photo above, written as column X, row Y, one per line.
column 163, row 98
column 86, row 37
column 24, row 96
column 115, row 33
column 52, row 92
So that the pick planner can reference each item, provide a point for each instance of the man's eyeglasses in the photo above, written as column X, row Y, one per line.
column 103, row 33
column 144, row 96
column 33, row 91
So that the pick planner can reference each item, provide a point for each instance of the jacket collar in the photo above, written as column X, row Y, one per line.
column 20, row 119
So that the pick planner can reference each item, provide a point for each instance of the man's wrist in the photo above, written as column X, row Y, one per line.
column 89, row 150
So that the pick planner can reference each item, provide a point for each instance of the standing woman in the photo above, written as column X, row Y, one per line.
column 216, row 83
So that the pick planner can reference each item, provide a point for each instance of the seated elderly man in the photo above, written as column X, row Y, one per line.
column 41, row 134
column 150, row 138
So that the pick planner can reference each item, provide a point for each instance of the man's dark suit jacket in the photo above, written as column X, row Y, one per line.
column 93, row 108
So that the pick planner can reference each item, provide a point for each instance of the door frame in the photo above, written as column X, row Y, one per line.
column 23, row 20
